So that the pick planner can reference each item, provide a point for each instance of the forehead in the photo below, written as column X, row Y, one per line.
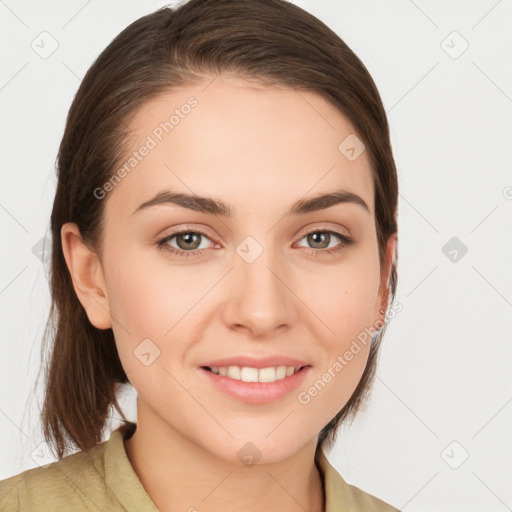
column 247, row 144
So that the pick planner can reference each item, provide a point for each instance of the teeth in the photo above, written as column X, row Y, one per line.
column 267, row 375
column 234, row 372
column 248, row 374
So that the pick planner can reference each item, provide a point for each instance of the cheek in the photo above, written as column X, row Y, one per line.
column 136, row 298
column 145, row 295
column 333, row 383
column 343, row 303
column 139, row 307
column 342, row 298
column 152, row 299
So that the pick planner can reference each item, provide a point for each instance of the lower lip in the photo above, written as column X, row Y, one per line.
column 257, row 392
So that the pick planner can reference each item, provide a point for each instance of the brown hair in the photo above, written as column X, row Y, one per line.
column 271, row 41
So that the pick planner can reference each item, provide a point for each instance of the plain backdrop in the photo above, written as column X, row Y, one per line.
column 435, row 434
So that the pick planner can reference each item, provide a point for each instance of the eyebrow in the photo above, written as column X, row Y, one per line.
column 218, row 207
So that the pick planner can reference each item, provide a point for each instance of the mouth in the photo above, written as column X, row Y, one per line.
column 255, row 385
column 250, row 374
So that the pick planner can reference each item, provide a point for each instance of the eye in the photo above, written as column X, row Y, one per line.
column 321, row 241
column 185, row 240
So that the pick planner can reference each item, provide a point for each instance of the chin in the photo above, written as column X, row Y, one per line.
column 260, row 449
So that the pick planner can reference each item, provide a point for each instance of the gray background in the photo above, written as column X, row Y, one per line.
column 436, row 433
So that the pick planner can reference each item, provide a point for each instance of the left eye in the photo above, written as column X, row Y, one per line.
column 320, row 237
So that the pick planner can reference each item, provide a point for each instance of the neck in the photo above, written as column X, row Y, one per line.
column 180, row 475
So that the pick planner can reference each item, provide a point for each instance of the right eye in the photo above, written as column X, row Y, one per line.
column 183, row 238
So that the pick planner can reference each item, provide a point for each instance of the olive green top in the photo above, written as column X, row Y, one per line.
column 103, row 479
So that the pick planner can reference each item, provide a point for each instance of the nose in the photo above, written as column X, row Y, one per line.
column 259, row 296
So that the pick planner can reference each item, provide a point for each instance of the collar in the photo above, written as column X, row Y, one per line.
column 334, row 485
column 120, row 476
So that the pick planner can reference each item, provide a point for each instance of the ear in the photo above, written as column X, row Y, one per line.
column 87, row 275
column 386, row 273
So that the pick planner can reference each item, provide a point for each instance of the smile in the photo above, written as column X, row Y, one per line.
column 249, row 374
column 255, row 385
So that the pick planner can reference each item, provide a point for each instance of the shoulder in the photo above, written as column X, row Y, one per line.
column 75, row 482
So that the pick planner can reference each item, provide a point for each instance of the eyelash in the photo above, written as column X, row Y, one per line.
column 346, row 241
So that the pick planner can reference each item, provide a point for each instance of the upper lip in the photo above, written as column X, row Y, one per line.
column 255, row 362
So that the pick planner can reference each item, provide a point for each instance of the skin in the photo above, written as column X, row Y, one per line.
column 258, row 149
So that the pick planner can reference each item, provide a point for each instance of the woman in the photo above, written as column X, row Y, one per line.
column 224, row 239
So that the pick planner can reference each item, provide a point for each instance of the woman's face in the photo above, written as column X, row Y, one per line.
column 257, row 283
